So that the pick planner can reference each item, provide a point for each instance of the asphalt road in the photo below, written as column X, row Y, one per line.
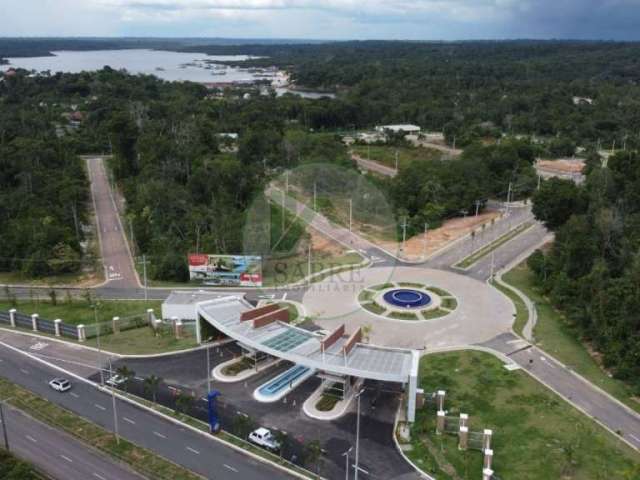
column 118, row 265
column 60, row 455
column 192, row 450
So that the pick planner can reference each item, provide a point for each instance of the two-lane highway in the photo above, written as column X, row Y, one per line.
column 197, row 452
column 60, row 455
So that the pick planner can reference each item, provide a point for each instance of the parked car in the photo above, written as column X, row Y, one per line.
column 265, row 439
column 115, row 381
column 60, row 384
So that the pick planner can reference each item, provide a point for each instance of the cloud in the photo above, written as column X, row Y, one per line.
column 416, row 19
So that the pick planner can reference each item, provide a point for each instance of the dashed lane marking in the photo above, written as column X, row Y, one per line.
column 129, row 420
column 159, row 435
column 99, row 406
column 66, row 458
column 193, row 450
column 230, row 468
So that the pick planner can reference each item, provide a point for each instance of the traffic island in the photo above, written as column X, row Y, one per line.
column 410, row 301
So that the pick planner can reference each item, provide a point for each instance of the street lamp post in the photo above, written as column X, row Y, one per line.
column 113, row 404
column 97, row 324
column 357, row 464
column 208, row 371
column 346, row 461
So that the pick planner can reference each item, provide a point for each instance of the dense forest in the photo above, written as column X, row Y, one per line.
column 592, row 271
column 13, row 469
column 188, row 188
column 43, row 187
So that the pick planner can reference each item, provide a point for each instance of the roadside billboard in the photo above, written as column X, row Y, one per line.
column 232, row 270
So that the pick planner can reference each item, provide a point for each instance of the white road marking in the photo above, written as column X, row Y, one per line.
column 193, row 451
column 66, row 458
column 284, row 296
column 230, row 467
column 98, row 476
column 129, row 420
column 24, row 371
column 74, row 395
column 31, row 439
column 634, row 437
column 159, row 435
column 99, row 406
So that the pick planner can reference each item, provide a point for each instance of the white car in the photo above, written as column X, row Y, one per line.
column 60, row 384
column 115, row 381
column 265, row 439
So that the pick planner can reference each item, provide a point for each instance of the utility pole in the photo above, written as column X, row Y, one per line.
column 477, row 207
column 144, row 270
column 350, row 213
column 113, row 404
column 426, row 226
column 404, row 233
column 4, row 428
column 539, row 181
column 493, row 263
column 309, row 262
column 315, row 197
column 283, row 214
column 133, row 245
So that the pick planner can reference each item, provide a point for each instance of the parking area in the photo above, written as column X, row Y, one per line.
column 379, row 404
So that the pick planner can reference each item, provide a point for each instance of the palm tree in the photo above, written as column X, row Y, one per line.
column 314, row 454
column 151, row 384
column 126, row 373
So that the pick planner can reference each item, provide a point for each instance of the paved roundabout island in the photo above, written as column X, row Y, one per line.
column 411, row 307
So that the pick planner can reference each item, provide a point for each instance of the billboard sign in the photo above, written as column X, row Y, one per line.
column 232, row 270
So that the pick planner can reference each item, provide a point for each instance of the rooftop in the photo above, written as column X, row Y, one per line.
column 303, row 347
column 191, row 297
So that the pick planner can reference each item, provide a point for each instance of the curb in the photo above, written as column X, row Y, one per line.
column 418, row 470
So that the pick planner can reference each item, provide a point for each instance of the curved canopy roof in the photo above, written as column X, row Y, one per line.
column 303, row 347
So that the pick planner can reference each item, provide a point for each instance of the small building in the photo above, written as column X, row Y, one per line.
column 407, row 129
column 182, row 303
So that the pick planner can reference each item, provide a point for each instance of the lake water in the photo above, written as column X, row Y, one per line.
column 171, row 66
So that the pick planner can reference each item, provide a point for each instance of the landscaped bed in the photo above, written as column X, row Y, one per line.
column 326, row 403
column 236, row 368
column 537, row 435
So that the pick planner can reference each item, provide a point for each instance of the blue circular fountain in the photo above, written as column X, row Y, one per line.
column 407, row 298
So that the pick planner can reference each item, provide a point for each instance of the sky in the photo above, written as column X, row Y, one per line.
column 325, row 19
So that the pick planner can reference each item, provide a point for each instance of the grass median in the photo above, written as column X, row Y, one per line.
column 553, row 334
column 138, row 458
column 537, row 435
column 487, row 249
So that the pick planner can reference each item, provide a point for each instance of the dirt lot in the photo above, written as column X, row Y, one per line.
column 563, row 165
column 438, row 238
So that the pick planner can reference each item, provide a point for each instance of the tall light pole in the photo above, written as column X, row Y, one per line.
column 315, row 197
column 357, row 464
column 346, row 461
column 208, row 371
column 97, row 324
column 404, row 233
column 113, row 405
column 144, row 269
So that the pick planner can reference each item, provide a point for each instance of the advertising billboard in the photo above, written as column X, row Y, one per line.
column 232, row 270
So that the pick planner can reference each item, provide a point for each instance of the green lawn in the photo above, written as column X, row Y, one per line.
column 142, row 341
column 295, row 267
column 387, row 155
column 537, row 436
column 522, row 314
column 76, row 311
column 554, row 336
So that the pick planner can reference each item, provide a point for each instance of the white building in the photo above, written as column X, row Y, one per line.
column 182, row 303
column 407, row 129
